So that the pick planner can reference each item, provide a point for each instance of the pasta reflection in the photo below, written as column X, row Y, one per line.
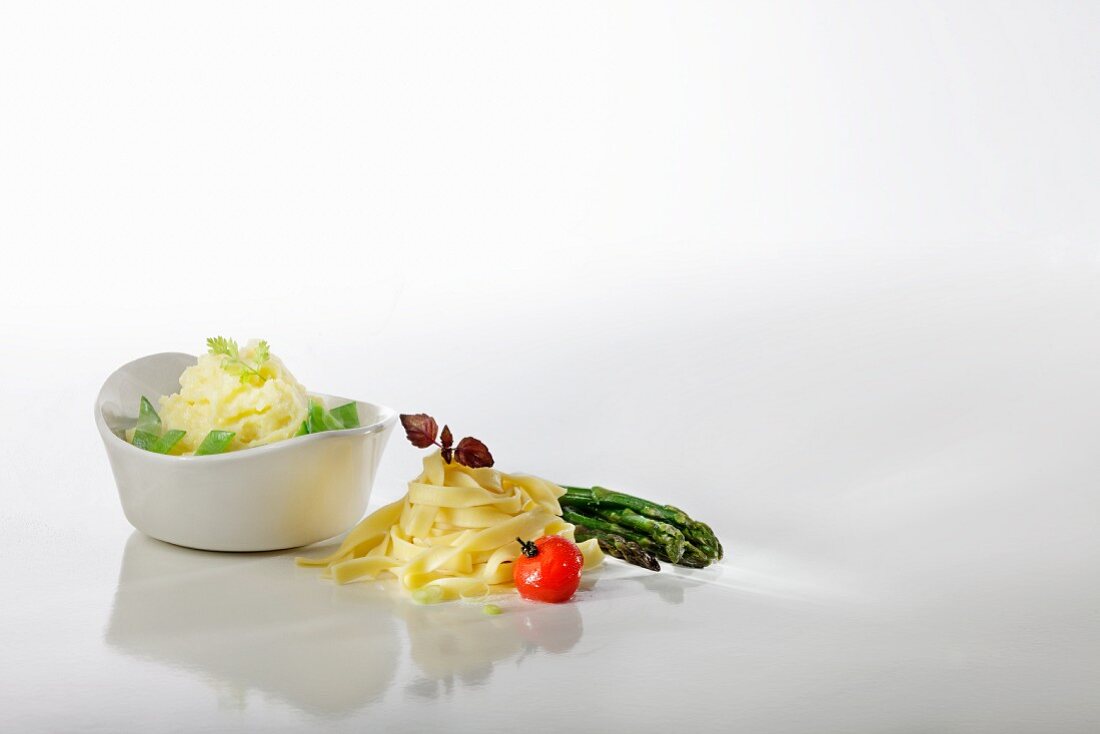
column 456, row 644
column 252, row 622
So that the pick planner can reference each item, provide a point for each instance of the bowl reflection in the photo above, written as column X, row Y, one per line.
column 254, row 622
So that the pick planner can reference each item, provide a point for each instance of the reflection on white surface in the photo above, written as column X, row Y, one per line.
column 948, row 624
column 253, row 622
column 456, row 645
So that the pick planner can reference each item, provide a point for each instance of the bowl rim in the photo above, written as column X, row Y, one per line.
column 389, row 417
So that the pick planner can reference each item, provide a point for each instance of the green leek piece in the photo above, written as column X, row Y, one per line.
column 347, row 415
column 491, row 609
column 167, row 442
column 157, row 444
column 148, row 421
column 215, row 442
column 320, row 419
column 329, row 422
column 315, row 418
column 145, row 440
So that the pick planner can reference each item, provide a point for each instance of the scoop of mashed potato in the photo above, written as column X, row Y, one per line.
column 212, row 398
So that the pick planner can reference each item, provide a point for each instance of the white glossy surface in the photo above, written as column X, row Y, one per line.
column 826, row 275
column 283, row 495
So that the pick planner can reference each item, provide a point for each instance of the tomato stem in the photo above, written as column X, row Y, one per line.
column 528, row 547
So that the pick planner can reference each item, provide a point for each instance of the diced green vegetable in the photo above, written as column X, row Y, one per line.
column 320, row 419
column 491, row 609
column 347, row 415
column 165, row 443
column 329, row 422
column 148, row 421
column 145, row 440
column 215, row 442
column 315, row 419
column 428, row 595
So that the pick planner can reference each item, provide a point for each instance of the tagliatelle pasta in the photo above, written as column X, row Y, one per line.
column 455, row 529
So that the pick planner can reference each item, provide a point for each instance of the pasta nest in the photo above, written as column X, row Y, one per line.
column 455, row 529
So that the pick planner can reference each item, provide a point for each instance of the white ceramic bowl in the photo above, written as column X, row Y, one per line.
column 282, row 495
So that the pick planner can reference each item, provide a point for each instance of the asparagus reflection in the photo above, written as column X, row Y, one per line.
column 252, row 622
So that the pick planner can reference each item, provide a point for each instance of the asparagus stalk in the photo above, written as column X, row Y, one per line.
column 596, row 523
column 590, row 526
column 620, row 547
column 668, row 536
column 591, row 500
column 587, row 526
column 701, row 534
column 694, row 557
column 650, row 526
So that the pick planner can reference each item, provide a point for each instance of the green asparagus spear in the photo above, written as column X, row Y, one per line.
column 668, row 535
column 619, row 547
column 700, row 534
column 589, row 526
column 658, row 545
column 595, row 523
column 665, row 513
column 694, row 557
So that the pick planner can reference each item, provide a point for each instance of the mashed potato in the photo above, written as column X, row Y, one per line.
column 212, row 398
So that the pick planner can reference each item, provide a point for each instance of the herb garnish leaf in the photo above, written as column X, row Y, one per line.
column 421, row 430
column 231, row 357
column 473, row 453
column 446, row 440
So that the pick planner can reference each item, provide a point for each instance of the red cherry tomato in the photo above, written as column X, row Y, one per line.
column 549, row 569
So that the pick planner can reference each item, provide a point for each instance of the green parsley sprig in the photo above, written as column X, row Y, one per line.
column 232, row 361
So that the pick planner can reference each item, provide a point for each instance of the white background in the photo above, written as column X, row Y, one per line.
column 821, row 273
